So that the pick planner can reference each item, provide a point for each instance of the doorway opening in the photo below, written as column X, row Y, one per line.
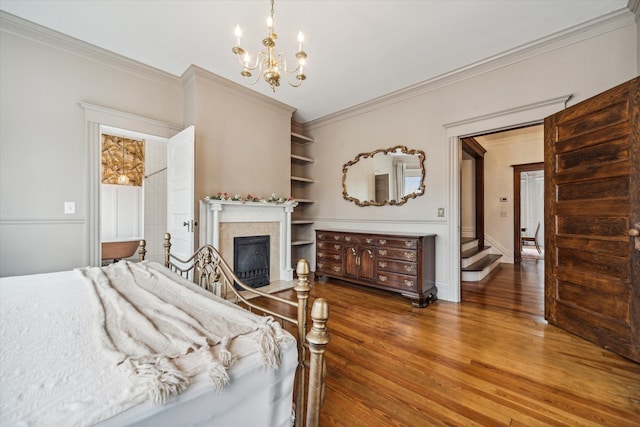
column 528, row 212
column 488, row 203
column 130, row 212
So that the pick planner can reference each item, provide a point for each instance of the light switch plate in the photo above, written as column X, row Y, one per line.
column 69, row 208
column 440, row 212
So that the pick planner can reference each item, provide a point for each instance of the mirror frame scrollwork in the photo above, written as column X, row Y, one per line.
column 419, row 192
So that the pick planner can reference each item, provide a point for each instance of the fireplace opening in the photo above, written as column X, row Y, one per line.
column 251, row 260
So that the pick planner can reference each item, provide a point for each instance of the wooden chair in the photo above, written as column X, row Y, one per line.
column 534, row 239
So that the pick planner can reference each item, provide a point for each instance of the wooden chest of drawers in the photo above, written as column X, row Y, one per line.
column 403, row 263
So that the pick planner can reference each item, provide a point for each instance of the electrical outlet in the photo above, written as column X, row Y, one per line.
column 69, row 208
column 440, row 212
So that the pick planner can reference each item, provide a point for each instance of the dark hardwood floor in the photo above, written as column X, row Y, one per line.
column 491, row 360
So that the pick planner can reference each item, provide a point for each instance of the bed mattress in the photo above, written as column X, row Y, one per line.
column 53, row 372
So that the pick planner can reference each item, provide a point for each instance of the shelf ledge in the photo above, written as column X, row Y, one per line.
column 302, row 158
column 302, row 242
column 302, row 179
column 300, row 139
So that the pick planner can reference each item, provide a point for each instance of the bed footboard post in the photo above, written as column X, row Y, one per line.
column 167, row 248
column 318, row 338
column 302, row 291
column 142, row 250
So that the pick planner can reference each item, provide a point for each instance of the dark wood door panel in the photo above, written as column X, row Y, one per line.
column 612, row 245
column 611, row 306
column 609, row 334
column 596, row 226
column 595, row 282
column 586, row 209
column 614, row 151
column 594, row 120
column 593, row 262
column 594, row 189
column 614, row 96
column 618, row 131
column 587, row 172
column 592, row 200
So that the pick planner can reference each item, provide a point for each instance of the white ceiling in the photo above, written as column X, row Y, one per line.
column 358, row 50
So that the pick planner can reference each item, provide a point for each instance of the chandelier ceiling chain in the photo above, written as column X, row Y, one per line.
column 269, row 64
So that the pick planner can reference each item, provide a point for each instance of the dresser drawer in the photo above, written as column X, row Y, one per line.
column 397, row 243
column 329, row 256
column 329, row 246
column 398, row 281
column 402, row 267
column 395, row 253
column 329, row 236
column 358, row 239
column 329, row 268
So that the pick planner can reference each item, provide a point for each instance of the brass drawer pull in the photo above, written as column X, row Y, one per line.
column 408, row 243
column 382, row 278
column 320, row 245
column 336, row 257
column 320, row 265
column 336, row 247
column 336, row 269
column 382, row 242
column 347, row 238
column 409, row 268
column 320, row 236
column 369, row 241
column 382, row 264
column 382, row 252
column 336, row 237
column 409, row 283
column 410, row 255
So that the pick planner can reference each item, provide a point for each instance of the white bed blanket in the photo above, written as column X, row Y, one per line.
column 53, row 371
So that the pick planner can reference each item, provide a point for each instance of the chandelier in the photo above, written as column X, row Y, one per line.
column 269, row 64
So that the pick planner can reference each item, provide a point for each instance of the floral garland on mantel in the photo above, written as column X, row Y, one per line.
column 223, row 196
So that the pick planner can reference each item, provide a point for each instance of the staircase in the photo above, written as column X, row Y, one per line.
column 476, row 262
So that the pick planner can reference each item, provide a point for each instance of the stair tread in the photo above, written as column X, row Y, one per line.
column 482, row 263
column 473, row 251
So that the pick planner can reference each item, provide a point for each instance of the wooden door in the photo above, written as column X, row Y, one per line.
column 592, row 199
column 180, row 192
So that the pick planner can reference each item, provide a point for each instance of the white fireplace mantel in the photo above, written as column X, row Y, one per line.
column 213, row 212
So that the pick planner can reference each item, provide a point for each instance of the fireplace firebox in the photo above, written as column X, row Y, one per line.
column 251, row 260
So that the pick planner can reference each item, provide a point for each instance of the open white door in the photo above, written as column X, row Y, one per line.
column 180, row 192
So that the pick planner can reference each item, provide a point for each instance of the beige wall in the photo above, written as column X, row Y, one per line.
column 43, row 143
column 582, row 67
column 242, row 139
column 245, row 143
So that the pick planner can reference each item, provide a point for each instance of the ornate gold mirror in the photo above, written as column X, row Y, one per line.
column 388, row 176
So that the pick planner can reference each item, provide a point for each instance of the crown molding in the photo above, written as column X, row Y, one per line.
column 634, row 7
column 585, row 31
column 195, row 73
column 31, row 31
